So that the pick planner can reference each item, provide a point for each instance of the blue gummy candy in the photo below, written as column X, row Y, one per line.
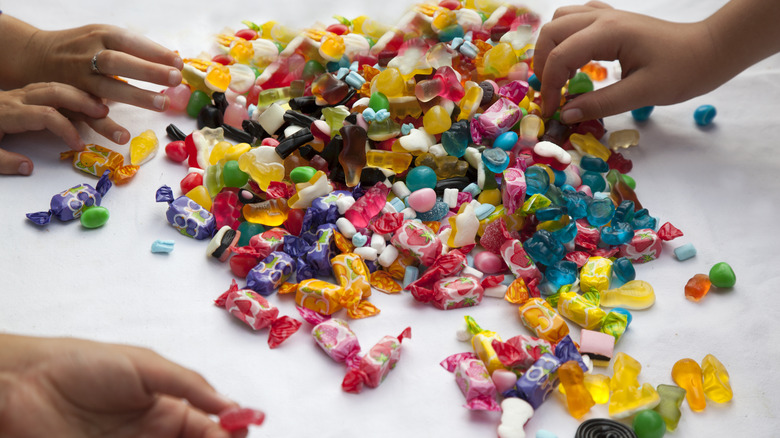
column 618, row 234
column 537, row 181
column 544, row 248
column 594, row 180
column 495, row 160
column 623, row 269
column 600, row 212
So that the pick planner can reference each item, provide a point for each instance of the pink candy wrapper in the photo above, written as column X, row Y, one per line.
column 268, row 241
column 644, row 247
column 474, row 381
column 416, row 238
column 457, row 292
column 588, row 236
column 513, row 189
column 519, row 262
column 373, row 367
column 520, row 352
column 250, row 307
column 449, row 264
column 497, row 119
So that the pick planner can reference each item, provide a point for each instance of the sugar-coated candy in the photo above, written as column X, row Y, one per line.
column 578, row 399
column 672, row 397
column 716, row 380
column 543, row 320
column 628, row 397
column 72, row 203
column 224, row 239
column 162, row 246
column 515, row 414
column 536, row 384
column 704, row 115
column 635, row 294
column 373, row 367
column 96, row 160
column 236, row 418
column 269, row 274
column 603, row 427
column 685, row 252
column 697, row 287
column 722, row 275
column 474, row 381
column 597, row 346
column 257, row 312
column 648, row 424
column 186, row 215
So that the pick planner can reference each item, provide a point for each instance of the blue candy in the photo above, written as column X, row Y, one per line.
column 704, row 115
column 562, row 273
column 594, row 180
column 544, row 248
column 537, row 181
column 437, row 213
column 495, row 160
column 162, row 246
column 619, row 233
column 685, row 252
column 506, row 141
column 600, row 212
column 642, row 114
column 623, row 269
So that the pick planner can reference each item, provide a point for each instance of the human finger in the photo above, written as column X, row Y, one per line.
column 58, row 95
column 114, row 62
column 161, row 376
column 104, row 126
column 120, row 91
column 199, row 425
column 38, row 118
column 627, row 94
column 141, row 47
column 12, row 163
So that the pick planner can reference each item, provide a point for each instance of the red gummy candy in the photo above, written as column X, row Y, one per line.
column 233, row 419
column 620, row 163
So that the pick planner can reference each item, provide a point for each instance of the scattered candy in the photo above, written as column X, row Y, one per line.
column 672, row 397
column 704, row 115
column 234, row 419
column 72, row 203
column 515, row 413
column 162, row 246
column 649, row 424
column 722, row 276
column 602, row 428
column 685, row 252
column 716, row 380
column 688, row 375
column 94, row 216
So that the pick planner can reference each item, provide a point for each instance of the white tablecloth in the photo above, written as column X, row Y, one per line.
column 718, row 185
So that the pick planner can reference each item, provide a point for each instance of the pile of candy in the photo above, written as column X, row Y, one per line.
column 414, row 157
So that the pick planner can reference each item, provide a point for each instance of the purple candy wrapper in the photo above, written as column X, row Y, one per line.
column 186, row 215
column 69, row 204
column 566, row 350
column 536, row 384
column 269, row 274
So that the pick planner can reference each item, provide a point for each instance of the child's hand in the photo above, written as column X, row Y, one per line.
column 50, row 106
column 76, row 388
column 662, row 62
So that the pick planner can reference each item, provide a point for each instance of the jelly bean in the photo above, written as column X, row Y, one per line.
column 722, row 276
column 715, row 380
column 649, row 424
column 580, row 83
column 176, row 151
column 672, row 397
column 688, row 375
column 236, row 112
column 198, row 100
column 506, row 141
column 94, row 216
column 422, row 200
column 697, row 287
column 233, row 176
column 704, row 115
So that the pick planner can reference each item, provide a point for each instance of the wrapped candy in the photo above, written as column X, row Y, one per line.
column 536, row 384
column 454, row 292
column 327, row 298
column 577, row 308
column 416, row 238
column 334, row 336
column 257, row 313
column 543, row 320
column 268, row 241
column 513, row 189
column 71, row 203
column 474, row 381
column 482, row 342
column 446, row 265
column 376, row 364
column 520, row 352
column 519, row 262
column 352, row 273
column 96, row 160
column 186, row 215
column 269, row 274
column 643, row 247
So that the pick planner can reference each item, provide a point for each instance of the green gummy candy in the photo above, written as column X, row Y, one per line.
column 232, row 176
column 649, row 424
column 302, row 174
column 580, row 83
column 722, row 276
column 94, row 217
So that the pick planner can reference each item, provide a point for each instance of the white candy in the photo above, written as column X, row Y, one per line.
column 378, row 242
column 515, row 413
column 473, row 156
column 400, row 190
column 463, row 334
column 345, row 227
column 344, row 203
column 437, row 150
column 496, row 291
column 450, row 196
column 417, row 140
column 366, row 252
column 409, row 213
column 468, row 270
column 272, row 118
column 387, row 256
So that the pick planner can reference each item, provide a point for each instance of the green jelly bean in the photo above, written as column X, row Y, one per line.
column 378, row 101
column 302, row 174
column 580, row 83
column 232, row 176
column 198, row 100
column 649, row 424
column 94, row 217
column 722, row 276
column 629, row 181
column 312, row 69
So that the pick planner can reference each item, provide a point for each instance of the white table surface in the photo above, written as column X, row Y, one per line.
column 718, row 185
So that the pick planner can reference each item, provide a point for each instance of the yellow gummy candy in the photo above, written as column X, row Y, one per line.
column 143, row 148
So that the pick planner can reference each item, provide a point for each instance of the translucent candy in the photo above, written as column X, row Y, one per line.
column 688, row 375
column 143, row 147
column 218, row 77
column 578, row 399
column 263, row 164
column 436, row 120
column 628, row 397
column 623, row 139
column 470, row 102
column 498, row 61
column 636, row 294
column 353, row 152
column 271, row 213
column 697, row 287
column 456, row 139
column 588, row 145
column 716, row 380
column 531, row 128
column 398, row 162
column 672, row 397
column 600, row 212
column 389, row 82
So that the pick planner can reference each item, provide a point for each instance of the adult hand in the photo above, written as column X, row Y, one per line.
column 662, row 62
column 77, row 388
column 51, row 106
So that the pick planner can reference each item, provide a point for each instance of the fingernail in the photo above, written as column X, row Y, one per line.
column 25, row 168
column 571, row 115
column 118, row 137
column 159, row 102
column 178, row 63
column 174, row 77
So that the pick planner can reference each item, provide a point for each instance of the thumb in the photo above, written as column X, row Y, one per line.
column 627, row 94
column 12, row 163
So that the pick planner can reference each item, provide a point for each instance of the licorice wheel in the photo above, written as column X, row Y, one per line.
column 603, row 428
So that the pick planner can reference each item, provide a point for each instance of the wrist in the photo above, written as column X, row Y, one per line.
column 17, row 43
